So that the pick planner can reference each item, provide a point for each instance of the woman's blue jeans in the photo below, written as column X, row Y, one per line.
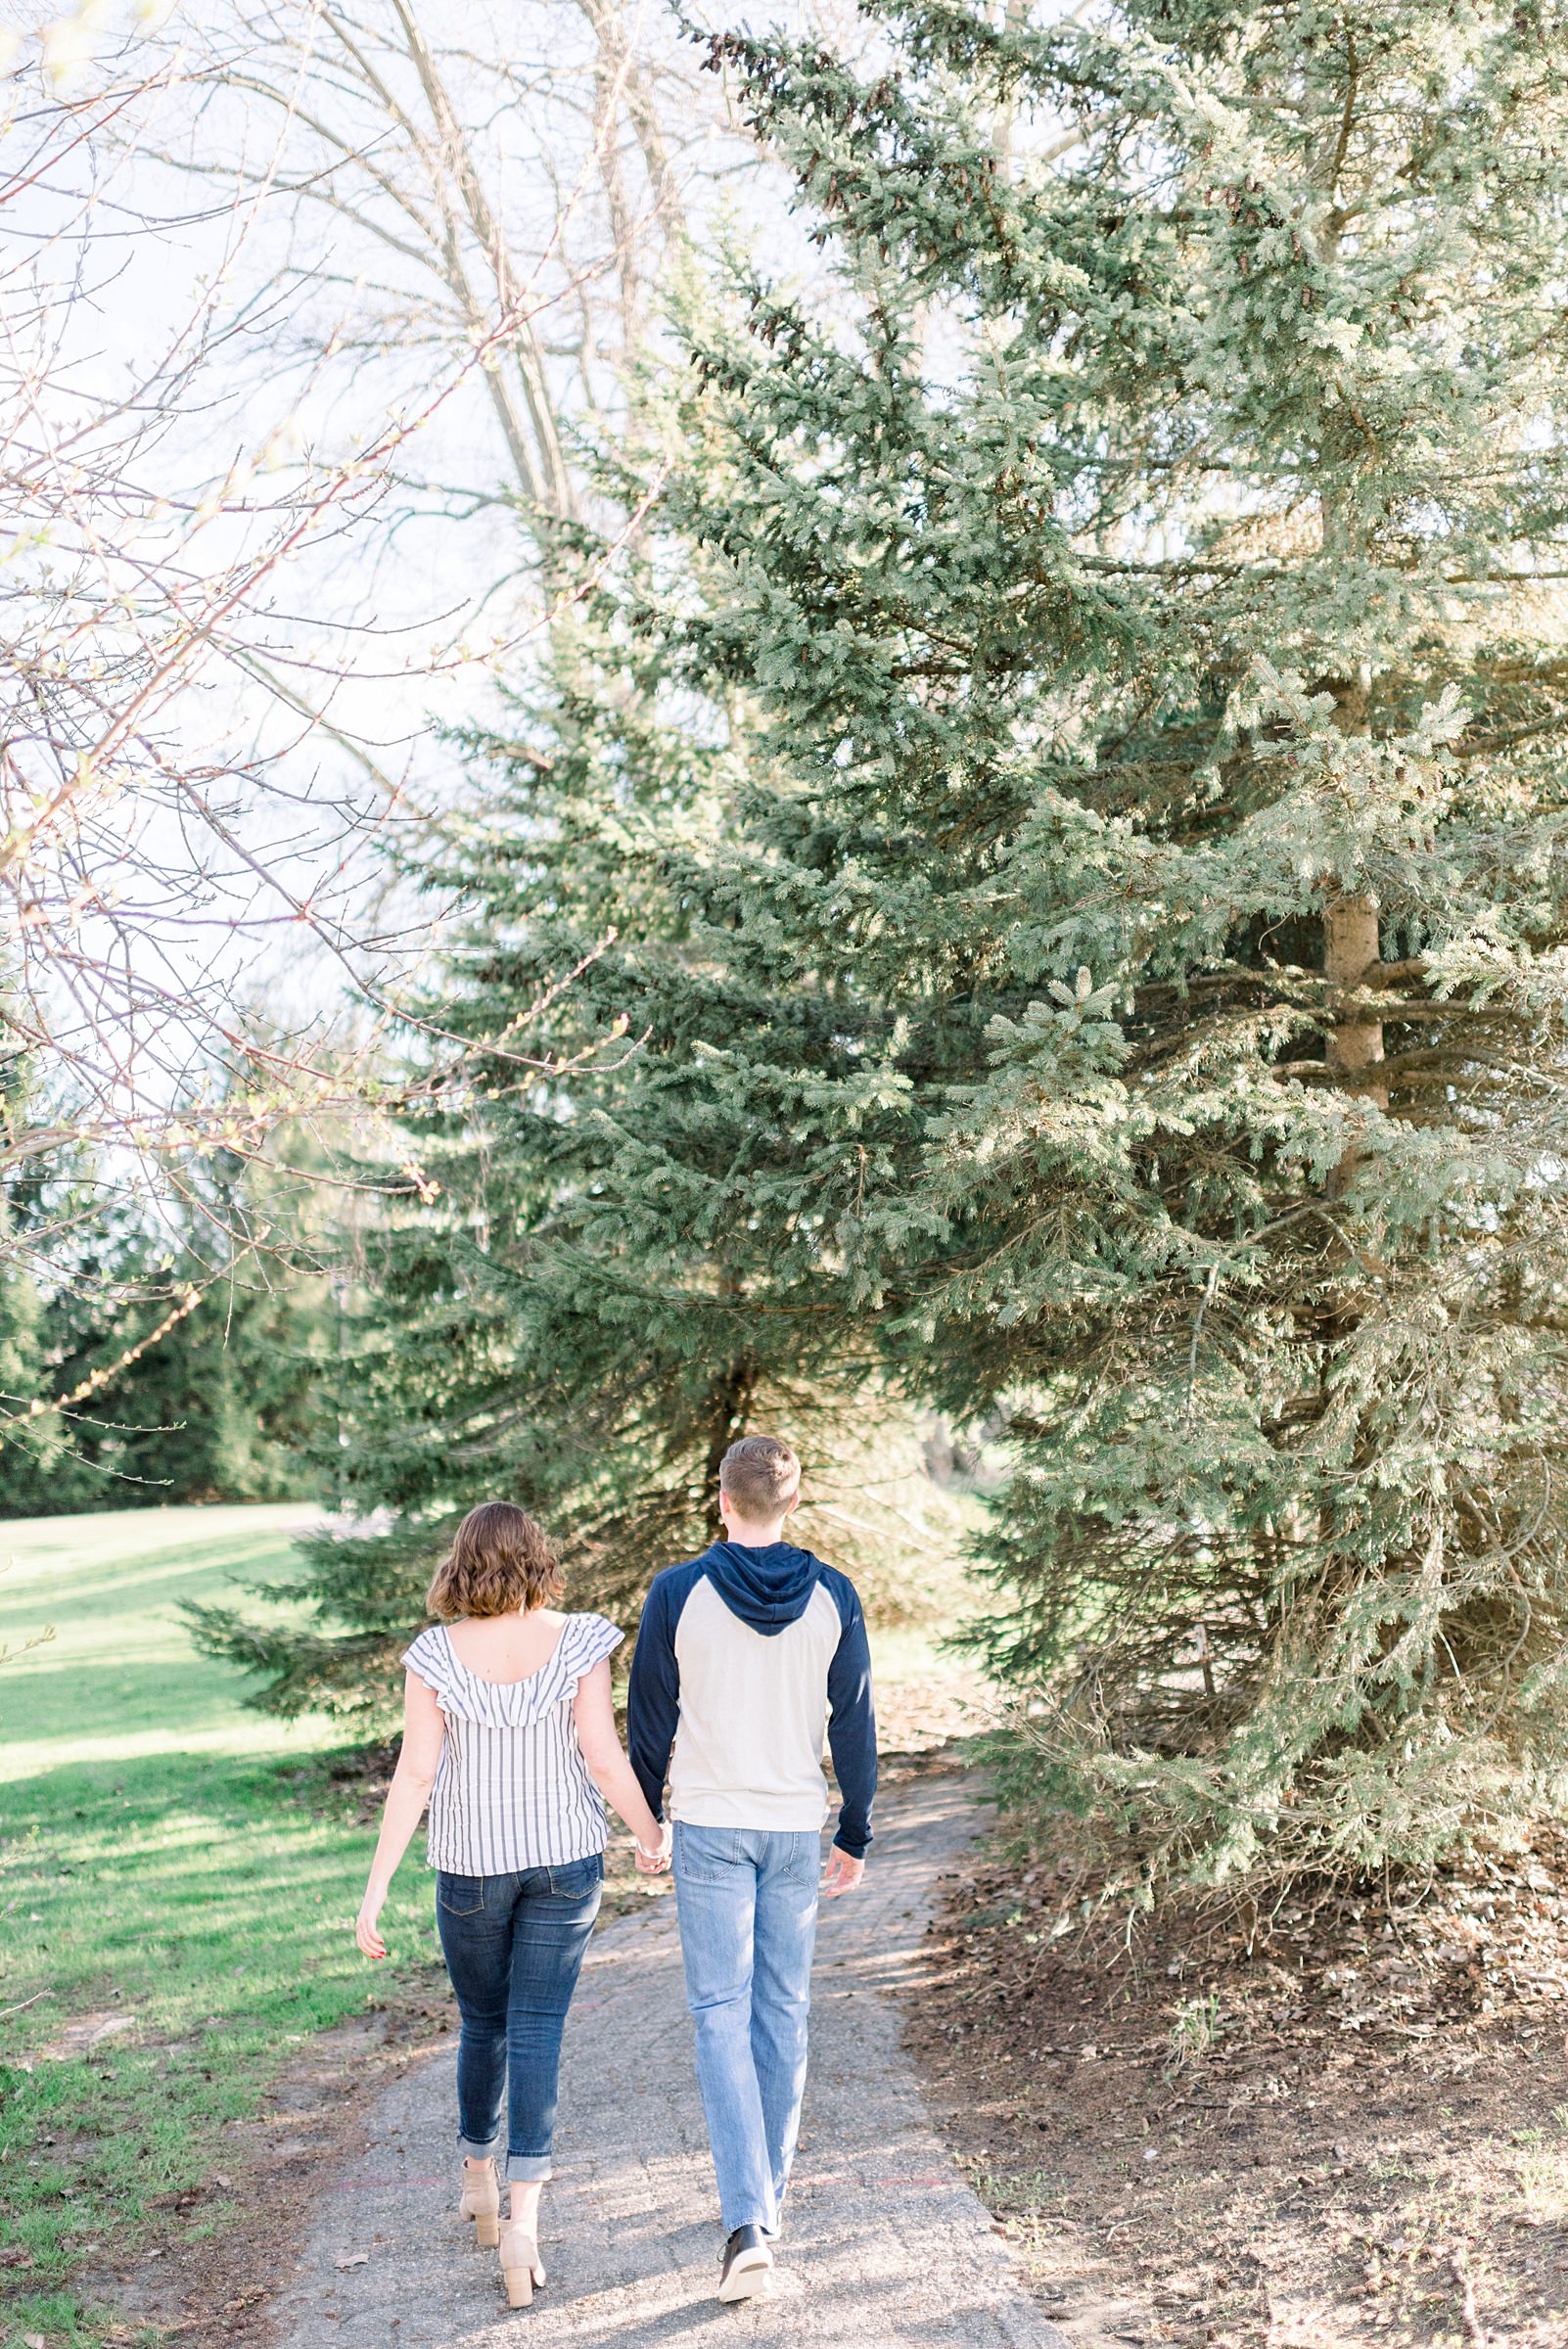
column 747, row 1900
column 514, row 1948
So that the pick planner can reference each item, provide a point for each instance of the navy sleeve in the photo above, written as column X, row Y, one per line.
column 852, row 1720
column 653, row 1694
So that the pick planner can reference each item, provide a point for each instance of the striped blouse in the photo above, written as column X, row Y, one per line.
column 512, row 1789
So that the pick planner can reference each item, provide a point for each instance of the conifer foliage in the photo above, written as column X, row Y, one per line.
column 595, row 1265
column 1158, row 605
column 1077, row 777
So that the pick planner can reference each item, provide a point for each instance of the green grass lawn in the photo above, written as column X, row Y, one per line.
column 163, row 1869
column 183, row 1871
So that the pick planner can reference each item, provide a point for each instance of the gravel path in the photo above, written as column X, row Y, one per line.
column 885, row 2245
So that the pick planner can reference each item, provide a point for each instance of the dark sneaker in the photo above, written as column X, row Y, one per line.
column 747, row 2260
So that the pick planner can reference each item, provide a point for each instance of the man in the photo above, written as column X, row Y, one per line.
column 745, row 1657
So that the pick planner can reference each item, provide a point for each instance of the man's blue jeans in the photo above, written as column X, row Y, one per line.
column 514, row 1948
column 747, row 1899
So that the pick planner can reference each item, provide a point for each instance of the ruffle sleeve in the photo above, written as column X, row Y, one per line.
column 594, row 1636
column 430, row 1659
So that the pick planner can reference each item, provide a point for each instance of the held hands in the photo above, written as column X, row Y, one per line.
column 654, row 1860
column 842, row 1873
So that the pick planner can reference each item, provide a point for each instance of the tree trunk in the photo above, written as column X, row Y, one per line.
column 1355, row 1051
column 731, row 1398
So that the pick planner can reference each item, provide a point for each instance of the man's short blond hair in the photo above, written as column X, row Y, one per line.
column 761, row 1475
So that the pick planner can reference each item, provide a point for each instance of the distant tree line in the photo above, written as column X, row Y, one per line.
column 150, row 1358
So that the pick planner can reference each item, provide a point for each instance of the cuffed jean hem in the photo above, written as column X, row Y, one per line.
column 528, row 2169
column 472, row 2152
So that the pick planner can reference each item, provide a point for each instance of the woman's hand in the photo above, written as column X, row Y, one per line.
column 654, row 1859
column 365, row 1932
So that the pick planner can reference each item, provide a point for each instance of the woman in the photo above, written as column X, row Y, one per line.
column 508, row 1734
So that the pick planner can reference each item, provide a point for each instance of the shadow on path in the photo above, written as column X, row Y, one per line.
column 886, row 2247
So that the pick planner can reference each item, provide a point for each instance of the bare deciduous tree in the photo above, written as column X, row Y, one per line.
column 472, row 178
column 181, row 816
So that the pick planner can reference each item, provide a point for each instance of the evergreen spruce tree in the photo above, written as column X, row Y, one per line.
column 35, row 1206
column 1077, row 781
column 1147, row 588
column 27, row 1450
column 593, row 1261
column 176, row 1367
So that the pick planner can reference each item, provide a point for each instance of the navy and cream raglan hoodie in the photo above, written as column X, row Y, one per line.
column 745, row 1658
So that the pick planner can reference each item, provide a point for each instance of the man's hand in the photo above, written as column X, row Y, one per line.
column 842, row 1873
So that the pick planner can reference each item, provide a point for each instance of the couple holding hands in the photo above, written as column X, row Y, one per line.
column 745, row 1658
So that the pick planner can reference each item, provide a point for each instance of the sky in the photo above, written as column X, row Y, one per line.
column 398, row 616
column 248, row 208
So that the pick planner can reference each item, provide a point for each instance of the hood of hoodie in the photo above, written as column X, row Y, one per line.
column 767, row 1587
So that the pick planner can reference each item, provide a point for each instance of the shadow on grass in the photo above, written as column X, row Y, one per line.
column 202, row 1907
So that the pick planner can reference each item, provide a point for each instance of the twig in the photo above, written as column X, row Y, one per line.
column 1459, row 2269
column 6, row 2011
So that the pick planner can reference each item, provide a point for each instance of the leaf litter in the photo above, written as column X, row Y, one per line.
column 1340, row 2125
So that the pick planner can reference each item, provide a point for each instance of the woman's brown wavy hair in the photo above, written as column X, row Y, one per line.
column 501, row 1559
